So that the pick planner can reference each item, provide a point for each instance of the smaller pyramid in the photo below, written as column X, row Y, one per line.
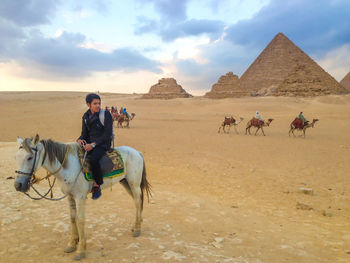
column 346, row 81
column 226, row 87
column 166, row 88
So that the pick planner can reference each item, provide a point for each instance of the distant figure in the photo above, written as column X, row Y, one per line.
column 106, row 109
column 121, row 110
column 301, row 117
column 126, row 113
column 257, row 116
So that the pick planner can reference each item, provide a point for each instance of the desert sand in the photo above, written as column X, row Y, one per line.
column 216, row 197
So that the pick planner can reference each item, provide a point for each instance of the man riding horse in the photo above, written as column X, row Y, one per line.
column 96, row 138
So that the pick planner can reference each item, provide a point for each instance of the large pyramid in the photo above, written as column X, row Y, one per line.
column 226, row 87
column 346, row 81
column 166, row 88
column 284, row 69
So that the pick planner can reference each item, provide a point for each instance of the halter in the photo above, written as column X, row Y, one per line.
column 32, row 172
column 33, row 180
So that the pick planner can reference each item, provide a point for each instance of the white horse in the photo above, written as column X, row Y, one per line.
column 62, row 161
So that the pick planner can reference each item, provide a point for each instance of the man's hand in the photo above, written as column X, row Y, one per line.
column 88, row 147
column 81, row 142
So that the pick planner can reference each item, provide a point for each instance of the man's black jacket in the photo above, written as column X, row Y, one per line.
column 93, row 131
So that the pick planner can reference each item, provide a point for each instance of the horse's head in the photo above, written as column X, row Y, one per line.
column 270, row 120
column 28, row 161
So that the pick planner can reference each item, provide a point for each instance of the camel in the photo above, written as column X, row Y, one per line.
column 229, row 121
column 257, row 123
column 297, row 124
column 123, row 118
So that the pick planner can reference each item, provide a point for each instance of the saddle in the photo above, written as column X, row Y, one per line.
column 256, row 122
column 112, row 164
column 229, row 120
column 298, row 123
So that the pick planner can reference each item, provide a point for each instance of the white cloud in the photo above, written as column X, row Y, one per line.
column 337, row 62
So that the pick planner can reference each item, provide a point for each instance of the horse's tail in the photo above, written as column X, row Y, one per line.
column 145, row 185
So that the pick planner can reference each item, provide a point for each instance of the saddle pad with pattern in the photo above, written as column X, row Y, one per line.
column 298, row 123
column 229, row 120
column 111, row 163
column 256, row 122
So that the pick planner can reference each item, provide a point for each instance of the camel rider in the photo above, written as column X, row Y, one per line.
column 301, row 117
column 96, row 138
column 257, row 116
column 126, row 113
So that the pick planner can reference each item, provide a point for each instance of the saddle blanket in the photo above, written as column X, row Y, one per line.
column 112, row 165
column 257, row 122
column 298, row 123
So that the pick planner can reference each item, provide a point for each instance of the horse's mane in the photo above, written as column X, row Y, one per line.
column 58, row 150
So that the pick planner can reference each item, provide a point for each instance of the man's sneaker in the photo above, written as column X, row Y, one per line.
column 96, row 192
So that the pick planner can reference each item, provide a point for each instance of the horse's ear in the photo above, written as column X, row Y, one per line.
column 36, row 139
column 19, row 139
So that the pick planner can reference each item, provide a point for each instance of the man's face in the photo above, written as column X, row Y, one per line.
column 95, row 105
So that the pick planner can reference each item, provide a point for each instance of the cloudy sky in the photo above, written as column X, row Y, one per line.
column 126, row 46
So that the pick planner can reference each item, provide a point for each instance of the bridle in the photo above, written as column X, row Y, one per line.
column 33, row 179
column 32, row 171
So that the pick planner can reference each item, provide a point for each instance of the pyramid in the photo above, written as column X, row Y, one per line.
column 281, row 69
column 166, row 88
column 346, row 81
column 226, row 87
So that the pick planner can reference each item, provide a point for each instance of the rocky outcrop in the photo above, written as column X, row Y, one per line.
column 166, row 88
column 345, row 82
column 226, row 87
column 282, row 68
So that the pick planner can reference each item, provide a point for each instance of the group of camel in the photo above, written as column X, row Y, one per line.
column 121, row 118
column 297, row 124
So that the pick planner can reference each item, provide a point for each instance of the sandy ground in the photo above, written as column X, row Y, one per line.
column 217, row 197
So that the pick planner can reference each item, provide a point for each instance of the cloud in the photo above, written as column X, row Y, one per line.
column 192, row 27
column 173, row 22
column 314, row 25
column 65, row 57
column 169, row 10
column 29, row 12
column 337, row 62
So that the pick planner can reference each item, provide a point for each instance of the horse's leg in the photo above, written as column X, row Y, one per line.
column 235, row 129
column 136, row 192
column 304, row 132
column 72, row 245
column 262, row 130
column 219, row 128
column 81, row 227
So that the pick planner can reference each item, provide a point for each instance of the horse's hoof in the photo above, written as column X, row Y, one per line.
column 79, row 256
column 70, row 249
column 136, row 233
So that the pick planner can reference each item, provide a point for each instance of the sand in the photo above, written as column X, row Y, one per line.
column 217, row 197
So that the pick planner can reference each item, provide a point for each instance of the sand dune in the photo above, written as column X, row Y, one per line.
column 217, row 197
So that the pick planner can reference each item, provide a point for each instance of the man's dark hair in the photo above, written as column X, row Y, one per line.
column 90, row 97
